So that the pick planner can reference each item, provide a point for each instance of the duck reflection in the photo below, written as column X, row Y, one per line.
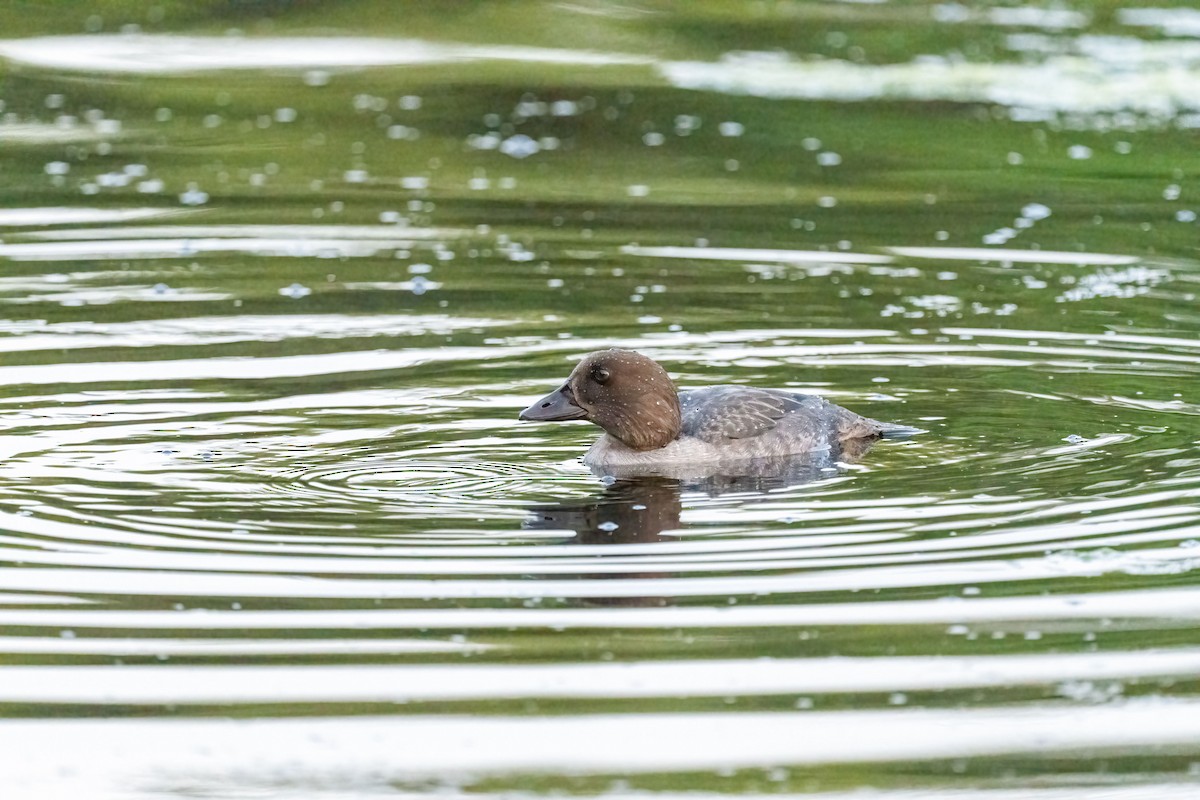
column 643, row 508
column 627, row 511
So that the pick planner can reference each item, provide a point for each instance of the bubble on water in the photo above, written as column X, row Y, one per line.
column 285, row 114
column 369, row 102
column 486, row 141
column 897, row 699
column 1079, row 152
column 57, row 168
column 828, row 159
column 419, row 285
column 1185, row 215
column 950, row 12
column 409, row 102
column 826, row 202
column 1015, row 159
column 528, row 107
column 1035, row 211
column 731, row 129
column 193, row 196
column 638, row 190
column 316, row 77
column 295, row 291
column 653, row 139
column 608, row 526
column 414, row 182
column 564, row 108
column 1123, row 148
column 811, row 143
column 1171, row 192
column 355, row 176
column 478, row 184
column 519, row 146
column 211, row 121
column 685, row 124
column 152, row 186
column 1000, row 236
column 649, row 319
column 112, row 180
column 419, row 269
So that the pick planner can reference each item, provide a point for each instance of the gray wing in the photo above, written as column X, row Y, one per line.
column 719, row 413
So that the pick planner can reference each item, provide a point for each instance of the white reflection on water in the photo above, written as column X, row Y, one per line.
column 172, row 648
column 1013, row 256
column 163, row 54
column 46, row 133
column 1129, row 75
column 190, row 331
column 1121, row 610
column 61, row 215
column 270, row 232
column 1095, row 74
column 677, row 678
column 874, row 353
column 147, row 757
column 1170, row 21
column 117, row 579
column 308, row 247
column 236, row 368
column 755, row 254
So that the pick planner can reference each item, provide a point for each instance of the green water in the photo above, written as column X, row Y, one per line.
column 276, row 279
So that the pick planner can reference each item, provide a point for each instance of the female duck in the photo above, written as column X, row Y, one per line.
column 647, row 423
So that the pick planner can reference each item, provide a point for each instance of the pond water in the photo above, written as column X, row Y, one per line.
column 276, row 279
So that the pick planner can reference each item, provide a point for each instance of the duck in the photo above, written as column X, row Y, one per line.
column 649, row 424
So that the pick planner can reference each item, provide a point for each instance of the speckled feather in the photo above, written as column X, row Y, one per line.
column 717, row 413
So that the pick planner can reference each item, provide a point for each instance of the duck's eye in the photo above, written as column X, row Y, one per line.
column 600, row 375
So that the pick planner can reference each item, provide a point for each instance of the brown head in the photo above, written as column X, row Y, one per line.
column 627, row 394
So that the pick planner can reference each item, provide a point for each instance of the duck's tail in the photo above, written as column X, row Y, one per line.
column 891, row 430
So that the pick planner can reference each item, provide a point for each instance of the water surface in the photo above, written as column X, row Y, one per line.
column 271, row 299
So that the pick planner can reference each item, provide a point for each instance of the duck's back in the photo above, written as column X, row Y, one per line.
column 770, row 421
